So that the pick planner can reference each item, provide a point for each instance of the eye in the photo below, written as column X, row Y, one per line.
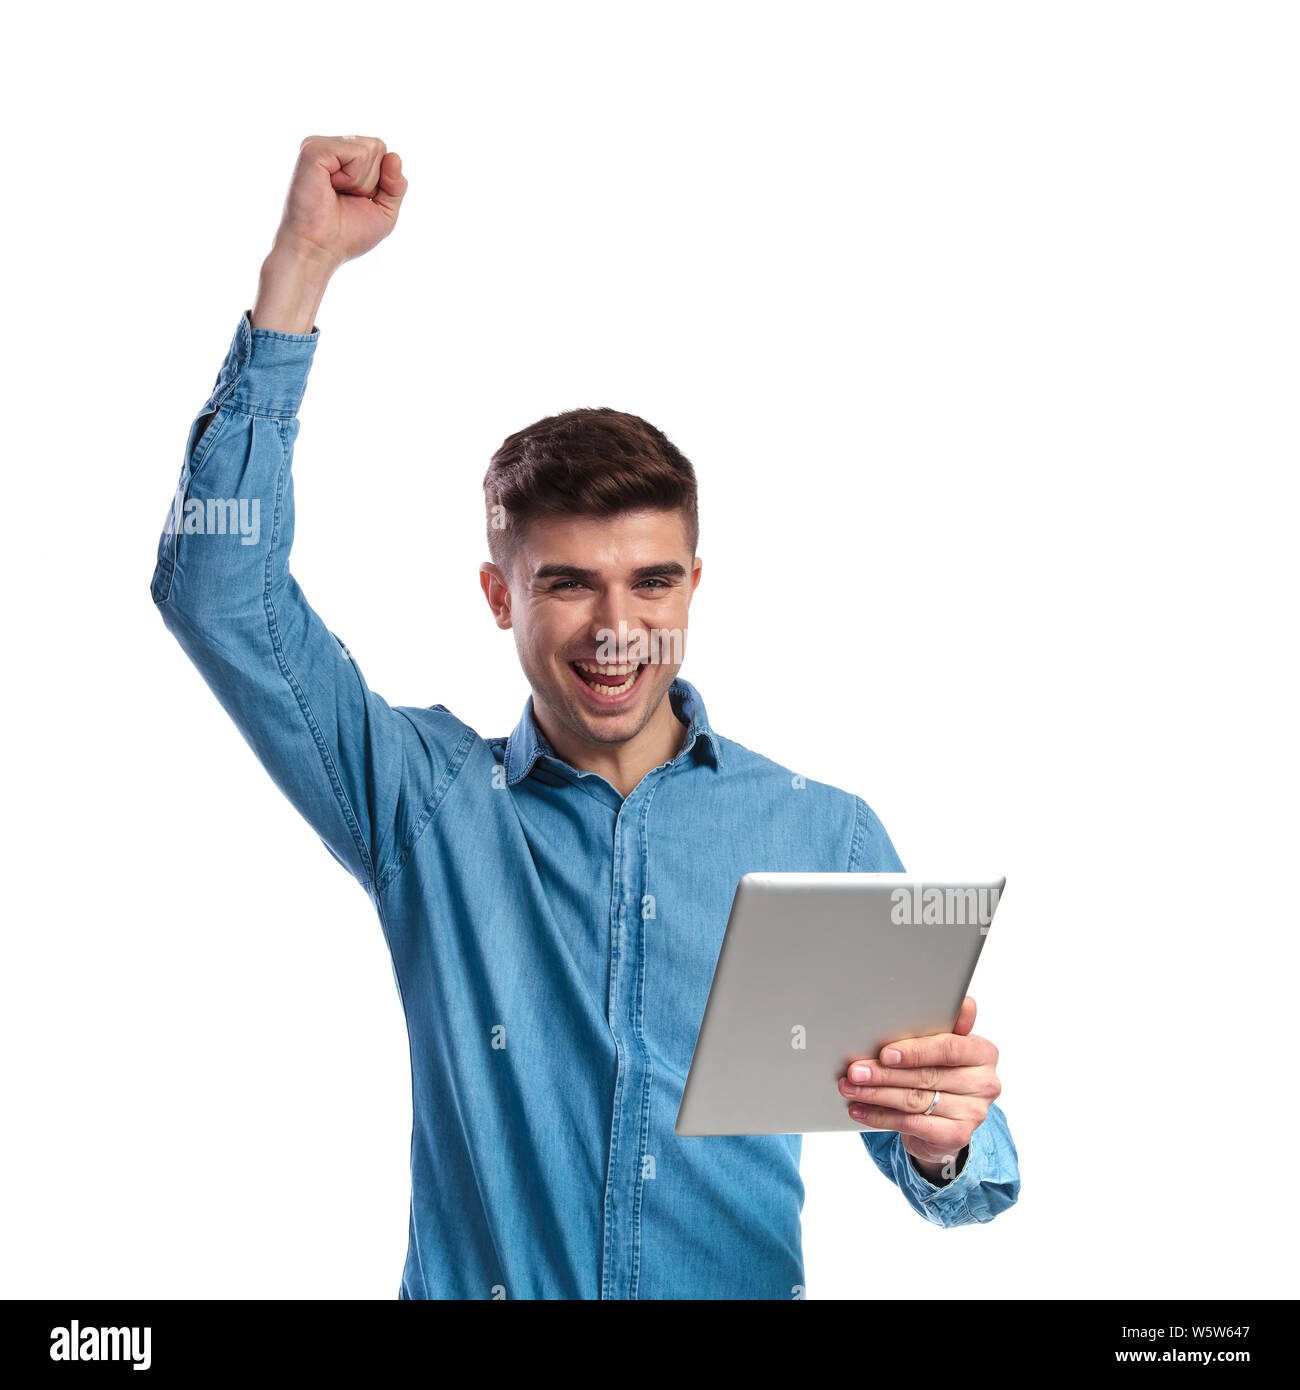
column 563, row 583
column 662, row 583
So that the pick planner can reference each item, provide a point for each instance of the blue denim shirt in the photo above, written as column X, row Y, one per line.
column 553, row 942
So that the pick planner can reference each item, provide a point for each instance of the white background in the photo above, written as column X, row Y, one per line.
column 979, row 324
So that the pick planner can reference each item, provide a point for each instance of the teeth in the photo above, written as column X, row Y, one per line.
column 609, row 670
column 600, row 675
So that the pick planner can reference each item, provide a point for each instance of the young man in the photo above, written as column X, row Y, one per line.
column 554, row 901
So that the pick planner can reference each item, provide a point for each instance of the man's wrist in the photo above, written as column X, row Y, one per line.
column 290, row 288
column 941, row 1173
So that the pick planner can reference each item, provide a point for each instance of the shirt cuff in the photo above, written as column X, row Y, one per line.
column 951, row 1193
column 264, row 372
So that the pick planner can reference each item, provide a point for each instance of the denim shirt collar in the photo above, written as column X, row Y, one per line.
column 528, row 743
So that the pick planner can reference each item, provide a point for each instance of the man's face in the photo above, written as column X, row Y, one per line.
column 611, row 593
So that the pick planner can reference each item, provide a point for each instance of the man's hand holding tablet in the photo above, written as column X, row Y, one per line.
column 934, row 1091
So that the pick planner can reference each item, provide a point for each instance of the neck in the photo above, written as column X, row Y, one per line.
column 622, row 765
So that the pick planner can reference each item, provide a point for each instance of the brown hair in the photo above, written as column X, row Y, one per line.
column 590, row 462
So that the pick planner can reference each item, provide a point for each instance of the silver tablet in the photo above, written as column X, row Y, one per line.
column 817, row 971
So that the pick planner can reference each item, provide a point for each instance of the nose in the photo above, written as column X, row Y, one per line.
column 615, row 625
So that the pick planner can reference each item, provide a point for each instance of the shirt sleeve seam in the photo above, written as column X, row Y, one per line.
column 246, row 407
column 285, row 337
column 436, row 798
column 273, row 630
column 859, row 834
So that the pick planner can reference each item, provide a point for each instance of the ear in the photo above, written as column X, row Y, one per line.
column 496, row 591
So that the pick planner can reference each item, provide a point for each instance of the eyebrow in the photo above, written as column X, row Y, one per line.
column 665, row 569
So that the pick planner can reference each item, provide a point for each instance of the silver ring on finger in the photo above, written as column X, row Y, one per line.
column 933, row 1103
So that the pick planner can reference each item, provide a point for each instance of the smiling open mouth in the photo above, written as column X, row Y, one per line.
column 608, row 680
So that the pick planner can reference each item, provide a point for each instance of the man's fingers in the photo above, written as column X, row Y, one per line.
column 935, row 1130
column 968, row 1081
column 952, row 1105
column 359, row 158
column 392, row 183
column 941, row 1050
column 966, row 1018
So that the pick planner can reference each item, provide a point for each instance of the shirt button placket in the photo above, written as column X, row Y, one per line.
column 617, row 1211
column 625, row 1130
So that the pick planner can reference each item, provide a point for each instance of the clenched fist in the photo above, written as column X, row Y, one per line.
column 343, row 199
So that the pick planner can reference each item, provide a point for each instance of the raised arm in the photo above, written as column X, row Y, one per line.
column 364, row 774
